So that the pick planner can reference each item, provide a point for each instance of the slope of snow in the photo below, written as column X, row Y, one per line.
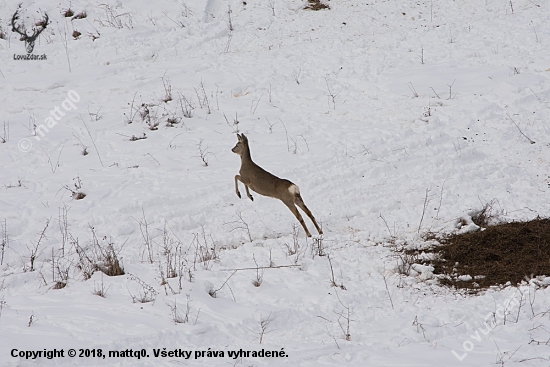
column 394, row 118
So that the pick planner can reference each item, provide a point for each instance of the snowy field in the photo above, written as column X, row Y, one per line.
column 394, row 118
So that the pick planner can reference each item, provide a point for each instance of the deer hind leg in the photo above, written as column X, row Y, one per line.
column 297, row 214
column 298, row 200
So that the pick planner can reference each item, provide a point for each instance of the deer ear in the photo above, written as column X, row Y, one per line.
column 239, row 137
column 245, row 139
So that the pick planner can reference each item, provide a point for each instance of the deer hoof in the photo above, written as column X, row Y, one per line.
column 239, row 194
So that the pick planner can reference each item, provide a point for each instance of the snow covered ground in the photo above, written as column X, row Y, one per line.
column 394, row 118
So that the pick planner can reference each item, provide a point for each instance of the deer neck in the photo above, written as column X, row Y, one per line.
column 245, row 157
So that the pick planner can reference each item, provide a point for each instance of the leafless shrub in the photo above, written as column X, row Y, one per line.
column 344, row 319
column 259, row 274
column 420, row 328
column 4, row 239
column 112, row 19
column 186, row 11
column 204, row 153
column 411, row 87
column 451, row 95
column 147, row 238
column 76, row 193
column 94, row 36
column 146, row 293
column 95, row 116
column 174, row 259
column 98, row 257
column 35, row 250
column 332, row 277
column 99, row 289
column 205, row 252
column 234, row 125
column 167, row 90
column 84, row 148
column 294, row 248
column 240, row 224
column 60, row 271
column 264, row 328
column 318, row 248
column 405, row 261
column 202, row 97
column 133, row 112
column 187, row 108
column 168, row 254
column 177, row 316
column 213, row 292
column 6, row 133
column 486, row 216
column 2, row 301
column 149, row 115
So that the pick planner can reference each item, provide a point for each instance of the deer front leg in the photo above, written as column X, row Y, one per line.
column 237, row 179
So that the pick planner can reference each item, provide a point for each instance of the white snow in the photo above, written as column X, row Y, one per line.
column 393, row 117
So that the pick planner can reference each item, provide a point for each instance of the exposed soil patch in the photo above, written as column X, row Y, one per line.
column 499, row 254
column 316, row 5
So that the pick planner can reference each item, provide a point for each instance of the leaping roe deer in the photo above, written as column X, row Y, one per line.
column 266, row 184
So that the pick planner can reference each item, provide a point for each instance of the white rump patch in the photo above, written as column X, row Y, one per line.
column 293, row 189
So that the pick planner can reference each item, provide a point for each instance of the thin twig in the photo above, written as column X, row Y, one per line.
column 93, row 142
column 387, row 290
column 426, row 201
column 521, row 132
column 262, row 267
column 213, row 293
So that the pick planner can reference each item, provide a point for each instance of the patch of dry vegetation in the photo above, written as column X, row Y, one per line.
column 495, row 255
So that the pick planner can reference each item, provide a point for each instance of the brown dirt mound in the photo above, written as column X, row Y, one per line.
column 316, row 5
column 499, row 254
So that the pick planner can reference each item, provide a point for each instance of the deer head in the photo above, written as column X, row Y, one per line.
column 241, row 146
column 36, row 30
